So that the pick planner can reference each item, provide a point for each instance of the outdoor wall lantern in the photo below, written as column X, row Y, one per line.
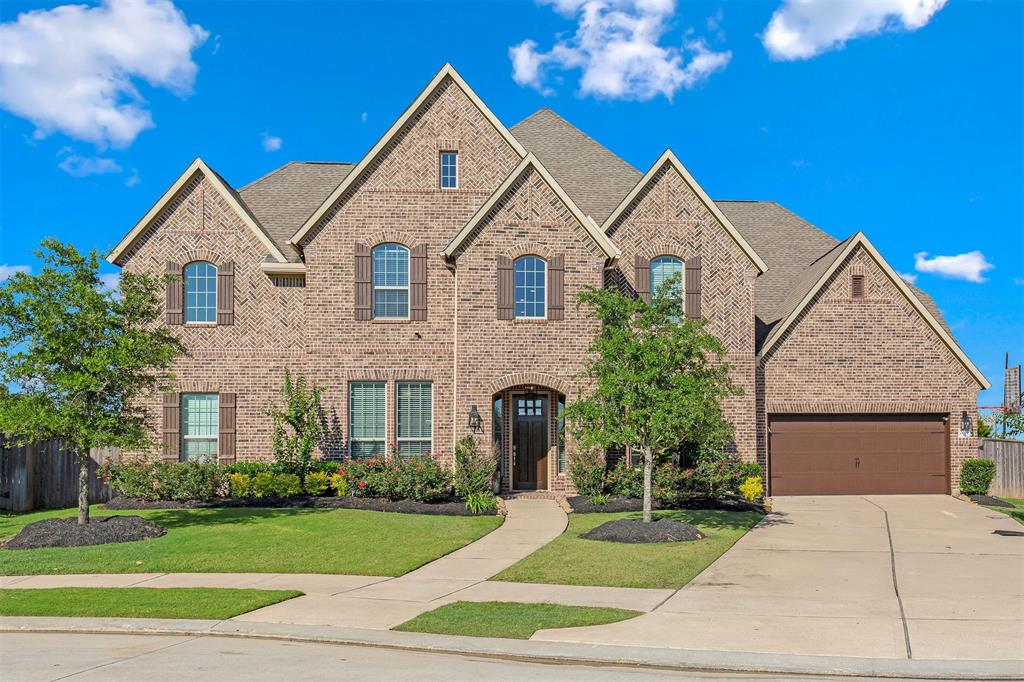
column 475, row 422
column 966, row 427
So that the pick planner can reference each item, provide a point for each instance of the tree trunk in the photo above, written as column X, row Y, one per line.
column 648, row 467
column 83, row 489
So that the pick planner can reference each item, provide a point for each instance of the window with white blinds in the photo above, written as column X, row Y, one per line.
column 367, row 417
column 414, row 417
column 200, row 423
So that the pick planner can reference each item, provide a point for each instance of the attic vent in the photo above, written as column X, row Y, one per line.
column 857, row 286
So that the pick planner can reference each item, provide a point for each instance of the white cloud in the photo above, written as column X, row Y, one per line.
column 270, row 142
column 7, row 270
column 617, row 47
column 908, row 277
column 363, row 116
column 968, row 266
column 801, row 29
column 81, row 166
column 111, row 282
column 1019, row 281
column 133, row 179
column 74, row 68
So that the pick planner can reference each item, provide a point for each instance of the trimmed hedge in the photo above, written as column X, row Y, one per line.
column 976, row 476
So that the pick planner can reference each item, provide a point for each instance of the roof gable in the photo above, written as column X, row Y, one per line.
column 223, row 188
column 670, row 158
column 447, row 71
column 828, row 265
column 528, row 162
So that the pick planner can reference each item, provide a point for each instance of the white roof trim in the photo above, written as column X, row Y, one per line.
column 860, row 239
column 196, row 166
column 446, row 71
column 530, row 161
column 669, row 157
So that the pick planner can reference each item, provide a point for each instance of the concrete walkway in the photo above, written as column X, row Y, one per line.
column 923, row 577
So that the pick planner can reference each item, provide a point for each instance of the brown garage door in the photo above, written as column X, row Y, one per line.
column 858, row 454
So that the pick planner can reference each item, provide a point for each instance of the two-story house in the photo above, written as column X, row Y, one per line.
column 431, row 290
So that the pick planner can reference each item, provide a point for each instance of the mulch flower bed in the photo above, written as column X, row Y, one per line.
column 100, row 530
column 581, row 504
column 450, row 507
column 989, row 501
column 635, row 531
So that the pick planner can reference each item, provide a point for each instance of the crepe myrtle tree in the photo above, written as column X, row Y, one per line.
column 79, row 359
column 657, row 380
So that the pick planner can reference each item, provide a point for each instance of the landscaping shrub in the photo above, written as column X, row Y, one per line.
column 317, row 482
column 481, row 502
column 240, row 485
column 474, row 469
column 599, row 500
column 744, row 470
column 339, row 481
column 752, row 489
column 131, row 479
column 625, row 480
column 976, row 476
column 419, row 478
column 194, row 480
column 670, row 483
column 586, row 469
column 325, row 465
column 372, row 477
column 297, row 427
column 287, row 485
column 714, row 476
column 250, row 469
column 262, row 485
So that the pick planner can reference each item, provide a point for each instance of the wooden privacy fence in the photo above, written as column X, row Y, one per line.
column 1009, row 458
column 45, row 476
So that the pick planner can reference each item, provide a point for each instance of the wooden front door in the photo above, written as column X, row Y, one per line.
column 530, row 442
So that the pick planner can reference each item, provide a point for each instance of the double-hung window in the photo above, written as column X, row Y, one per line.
column 414, row 418
column 201, row 292
column 667, row 278
column 449, row 170
column 531, row 279
column 391, row 282
column 200, row 425
column 367, row 417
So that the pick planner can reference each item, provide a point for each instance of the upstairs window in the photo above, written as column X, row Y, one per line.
column 449, row 170
column 668, row 269
column 367, row 419
column 391, row 282
column 200, row 425
column 414, row 418
column 531, row 280
column 201, row 292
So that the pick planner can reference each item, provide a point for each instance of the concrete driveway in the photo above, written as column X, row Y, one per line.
column 924, row 577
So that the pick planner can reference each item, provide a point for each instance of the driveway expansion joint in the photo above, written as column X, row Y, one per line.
column 895, row 581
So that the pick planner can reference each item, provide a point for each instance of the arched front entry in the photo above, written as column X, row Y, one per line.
column 529, row 436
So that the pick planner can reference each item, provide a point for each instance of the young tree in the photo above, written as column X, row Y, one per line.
column 657, row 381
column 79, row 359
column 298, row 427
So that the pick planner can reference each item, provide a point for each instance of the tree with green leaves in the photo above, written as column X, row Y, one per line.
column 298, row 427
column 79, row 359
column 656, row 381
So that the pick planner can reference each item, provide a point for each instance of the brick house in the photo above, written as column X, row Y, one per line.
column 431, row 288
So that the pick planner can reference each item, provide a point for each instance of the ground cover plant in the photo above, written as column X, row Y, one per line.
column 573, row 560
column 511, row 620
column 240, row 540
column 138, row 602
column 1015, row 510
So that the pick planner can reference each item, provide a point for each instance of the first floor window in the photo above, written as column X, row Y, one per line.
column 414, row 417
column 367, row 418
column 200, row 425
column 667, row 278
column 560, row 462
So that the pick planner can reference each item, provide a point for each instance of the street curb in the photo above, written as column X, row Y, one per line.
column 535, row 651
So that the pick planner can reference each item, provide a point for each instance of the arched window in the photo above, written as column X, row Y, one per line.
column 201, row 292
column 531, row 274
column 391, row 282
column 667, row 269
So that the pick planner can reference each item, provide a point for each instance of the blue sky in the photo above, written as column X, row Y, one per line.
column 906, row 126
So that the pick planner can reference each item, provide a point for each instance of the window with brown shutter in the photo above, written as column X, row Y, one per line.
column 363, row 290
column 226, row 440
column 418, row 283
column 857, row 286
column 693, row 288
column 175, row 295
column 556, row 288
column 172, row 426
column 505, row 288
column 642, row 277
column 226, row 293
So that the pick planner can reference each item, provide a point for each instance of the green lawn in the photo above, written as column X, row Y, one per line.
column 138, row 602
column 1018, row 508
column 509, row 619
column 243, row 540
column 571, row 560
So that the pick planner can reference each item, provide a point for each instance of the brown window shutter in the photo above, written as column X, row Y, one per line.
column 506, row 288
column 226, row 293
column 693, row 287
column 363, row 283
column 172, row 427
column 418, row 283
column 175, row 295
column 642, row 278
column 556, row 288
column 226, row 447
